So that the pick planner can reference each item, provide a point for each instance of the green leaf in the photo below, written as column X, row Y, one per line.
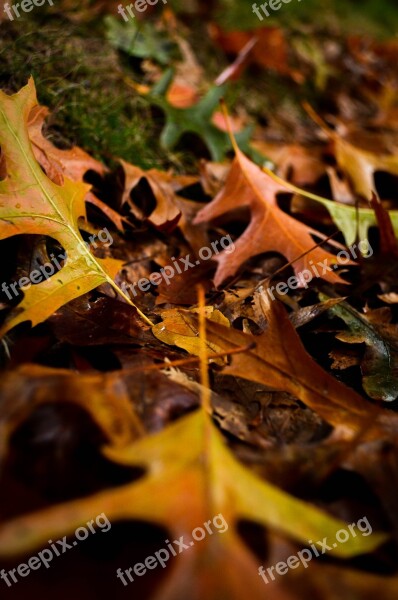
column 379, row 365
column 195, row 119
column 353, row 223
column 141, row 41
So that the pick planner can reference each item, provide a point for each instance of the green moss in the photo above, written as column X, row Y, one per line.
column 77, row 74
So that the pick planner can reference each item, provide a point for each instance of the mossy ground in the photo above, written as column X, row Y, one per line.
column 78, row 76
column 82, row 78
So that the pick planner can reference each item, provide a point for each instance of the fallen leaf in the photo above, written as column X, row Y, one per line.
column 196, row 119
column 280, row 361
column 32, row 204
column 379, row 364
column 270, row 229
column 72, row 164
column 388, row 239
column 85, row 322
column 298, row 164
column 103, row 396
column 269, row 52
column 163, row 186
column 181, row 480
column 175, row 330
column 353, row 222
column 358, row 164
column 57, row 164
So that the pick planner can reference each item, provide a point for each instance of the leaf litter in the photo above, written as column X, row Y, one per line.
column 208, row 394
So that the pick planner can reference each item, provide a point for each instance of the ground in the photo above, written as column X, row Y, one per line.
column 207, row 379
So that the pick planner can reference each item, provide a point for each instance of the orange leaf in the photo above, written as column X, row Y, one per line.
column 270, row 229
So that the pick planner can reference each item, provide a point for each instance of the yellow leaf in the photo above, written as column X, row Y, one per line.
column 175, row 330
column 30, row 203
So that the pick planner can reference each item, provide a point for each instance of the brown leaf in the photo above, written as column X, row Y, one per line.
column 72, row 164
column 196, row 235
column 181, row 289
column 356, row 159
column 83, row 322
column 163, row 186
column 388, row 240
column 270, row 51
column 104, row 397
column 280, row 361
column 270, row 229
column 300, row 165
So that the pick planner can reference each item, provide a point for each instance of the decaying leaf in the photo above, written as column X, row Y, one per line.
column 164, row 187
column 103, row 396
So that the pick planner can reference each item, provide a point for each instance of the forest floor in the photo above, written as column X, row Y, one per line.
column 199, row 300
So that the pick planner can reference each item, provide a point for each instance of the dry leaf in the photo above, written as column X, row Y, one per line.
column 270, row 229
column 32, row 204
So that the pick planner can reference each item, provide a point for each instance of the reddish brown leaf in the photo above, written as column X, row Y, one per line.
column 163, row 185
column 270, row 229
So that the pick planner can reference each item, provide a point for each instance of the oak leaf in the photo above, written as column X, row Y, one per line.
column 104, row 396
column 30, row 203
column 358, row 163
column 194, row 482
column 270, row 229
column 279, row 360
column 196, row 119
column 353, row 222
column 57, row 163
column 360, row 166
column 73, row 163
column 175, row 330
column 164, row 186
